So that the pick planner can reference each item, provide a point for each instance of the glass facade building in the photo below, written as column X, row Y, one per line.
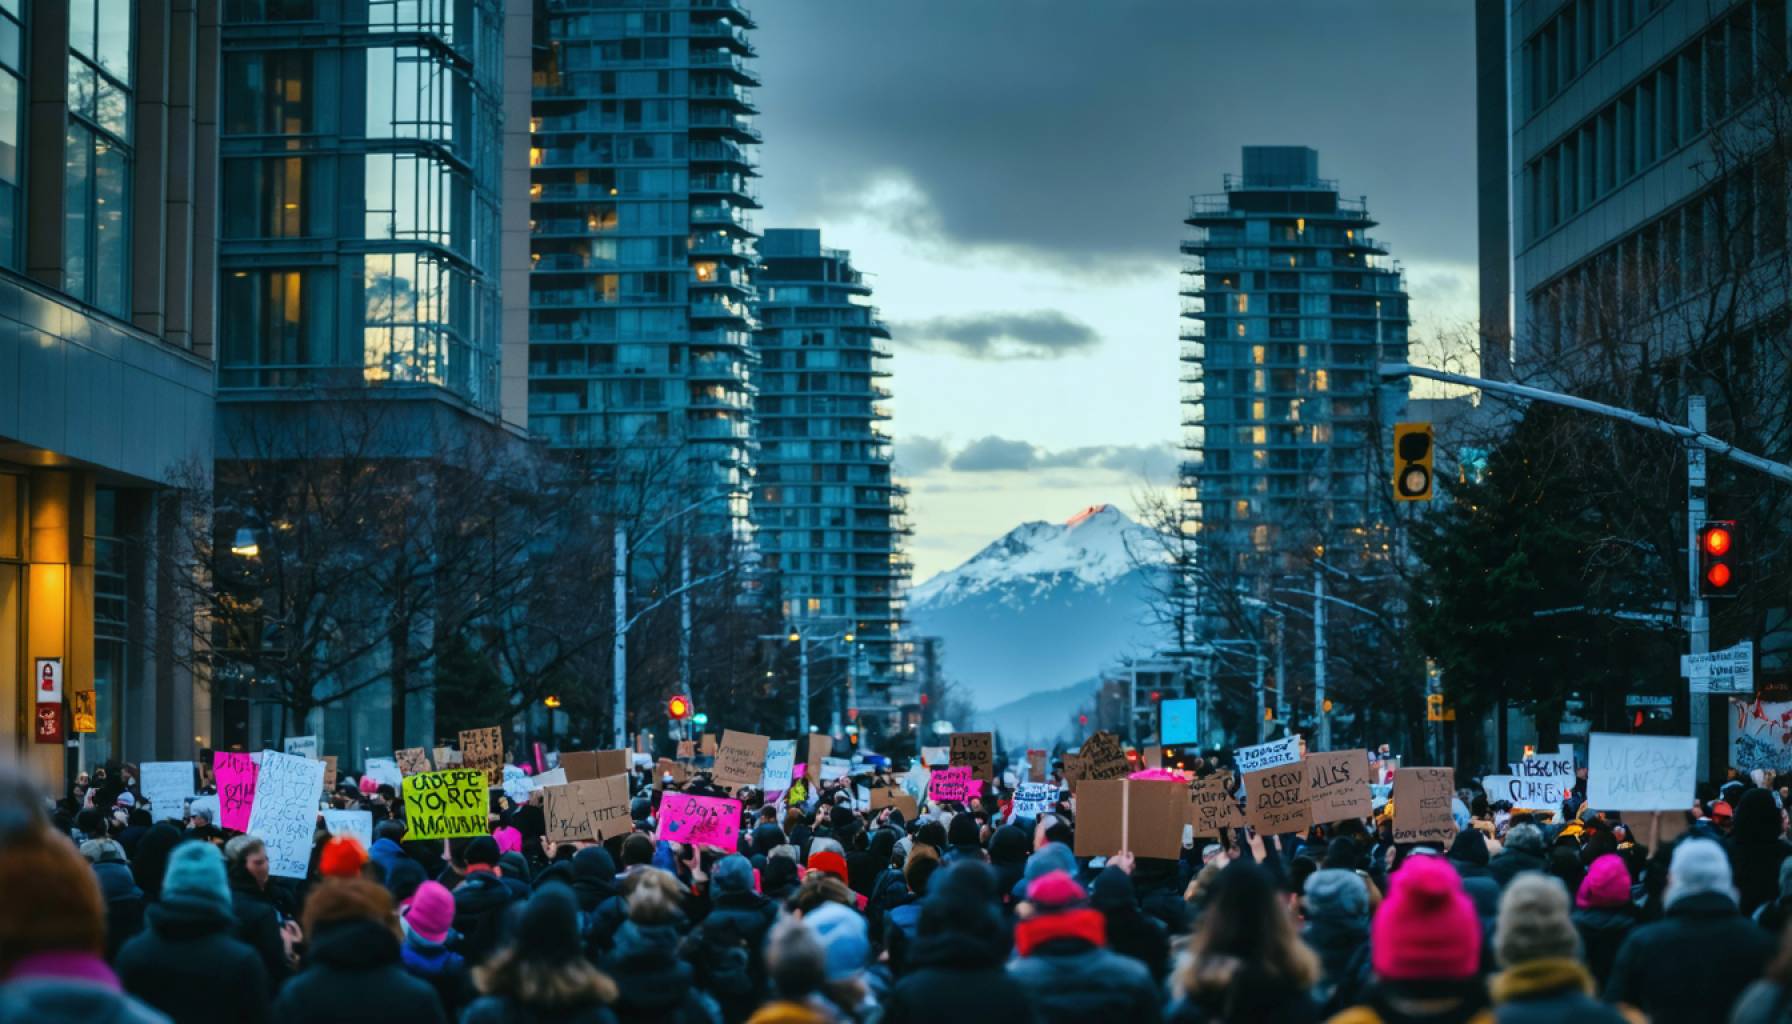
column 829, row 520
column 640, row 303
column 1288, row 307
column 360, row 182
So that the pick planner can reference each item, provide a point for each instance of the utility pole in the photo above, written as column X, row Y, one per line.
column 684, row 617
column 619, row 643
column 1698, row 702
column 1262, row 724
column 1282, row 674
column 1324, row 720
column 802, row 684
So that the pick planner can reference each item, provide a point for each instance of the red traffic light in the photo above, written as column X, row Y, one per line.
column 1718, row 575
column 679, row 708
column 1720, row 559
column 1716, row 541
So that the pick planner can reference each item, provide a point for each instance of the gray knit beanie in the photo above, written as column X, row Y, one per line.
column 1534, row 921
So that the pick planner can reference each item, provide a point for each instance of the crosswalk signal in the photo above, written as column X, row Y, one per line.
column 1412, row 462
column 1719, row 559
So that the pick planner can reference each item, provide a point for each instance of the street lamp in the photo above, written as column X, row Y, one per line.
column 244, row 545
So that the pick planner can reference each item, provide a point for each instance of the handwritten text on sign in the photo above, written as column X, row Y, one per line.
column 1422, row 806
column 446, row 804
column 1338, row 785
column 484, row 749
column 954, row 785
column 1032, row 799
column 975, row 749
column 702, row 820
column 236, row 789
column 780, row 765
column 1267, row 755
column 285, row 811
column 1641, row 773
column 1211, row 807
column 741, row 759
column 1276, row 800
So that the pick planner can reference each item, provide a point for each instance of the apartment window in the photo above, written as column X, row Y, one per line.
column 97, row 160
column 268, row 93
column 12, row 128
column 269, row 198
column 276, row 326
column 269, row 10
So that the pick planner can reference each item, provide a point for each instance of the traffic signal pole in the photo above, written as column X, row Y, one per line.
column 1699, row 446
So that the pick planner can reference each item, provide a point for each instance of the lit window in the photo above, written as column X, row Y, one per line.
column 705, row 271
column 1257, row 354
column 1242, row 302
column 1320, row 380
column 1241, row 508
column 1257, row 410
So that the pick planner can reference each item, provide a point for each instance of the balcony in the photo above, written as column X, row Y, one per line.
column 718, row 152
column 723, row 32
column 723, row 60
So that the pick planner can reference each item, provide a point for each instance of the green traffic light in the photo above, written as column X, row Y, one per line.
column 700, row 718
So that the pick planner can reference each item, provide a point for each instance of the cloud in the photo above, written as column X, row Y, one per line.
column 1004, row 455
column 916, row 455
column 1041, row 334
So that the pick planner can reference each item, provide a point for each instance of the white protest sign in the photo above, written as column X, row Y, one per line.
column 1761, row 735
column 552, row 777
column 1731, row 670
column 285, row 812
column 166, row 785
column 302, row 746
column 1032, row 799
column 358, row 824
column 1641, row 773
column 780, row 765
column 384, row 770
column 835, row 768
column 935, row 757
column 1268, row 755
column 517, row 784
column 1541, row 781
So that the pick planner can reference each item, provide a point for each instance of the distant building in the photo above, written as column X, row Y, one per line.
column 640, row 304
column 108, row 330
column 829, row 518
column 1289, row 305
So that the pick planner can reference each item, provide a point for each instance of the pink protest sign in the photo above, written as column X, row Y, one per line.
column 957, row 784
column 703, row 820
column 236, row 788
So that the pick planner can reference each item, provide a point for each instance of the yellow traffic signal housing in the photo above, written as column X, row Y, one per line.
column 1412, row 461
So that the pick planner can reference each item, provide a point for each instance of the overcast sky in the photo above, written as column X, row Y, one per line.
column 1012, row 175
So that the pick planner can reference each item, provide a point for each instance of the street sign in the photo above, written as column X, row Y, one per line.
column 1731, row 670
column 1648, row 700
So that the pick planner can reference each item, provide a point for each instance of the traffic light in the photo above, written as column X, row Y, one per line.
column 678, row 708
column 1412, row 462
column 1719, row 559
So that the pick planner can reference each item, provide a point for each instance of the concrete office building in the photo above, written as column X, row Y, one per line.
column 107, row 151
column 828, row 517
column 640, row 308
column 1289, row 304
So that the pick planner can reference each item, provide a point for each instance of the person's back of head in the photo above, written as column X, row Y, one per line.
column 795, row 961
column 340, row 901
column 637, row 850
column 392, row 829
column 1534, row 922
column 919, row 868
column 1246, row 922
column 1699, row 867
column 542, row 966
column 653, row 897
column 52, row 901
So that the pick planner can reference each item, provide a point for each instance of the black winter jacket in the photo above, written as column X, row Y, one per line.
column 352, row 976
column 505, row 1010
column 959, row 976
column 124, row 904
column 1690, row 966
column 1074, row 981
column 190, row 965
column 479, row 905
column 1602, row 931
column 656, row 986
column 258, row 923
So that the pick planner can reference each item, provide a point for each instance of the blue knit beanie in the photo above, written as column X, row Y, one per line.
column 733, row 873
column 196, row 872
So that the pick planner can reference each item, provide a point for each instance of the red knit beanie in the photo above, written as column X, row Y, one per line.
column 828, row 862
column 1607, row 883
column 342, row 858
column 1426, row 930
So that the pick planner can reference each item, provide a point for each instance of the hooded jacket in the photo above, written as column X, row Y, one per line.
column 124, row 904
column 69, row 986
column 1690, row 965
column 189, row 964
column 352, row 975
column 1130, row 932
column 1074, row 978
column 442, row 968
column 963, row 973
column 656, row 987
column 479, row 904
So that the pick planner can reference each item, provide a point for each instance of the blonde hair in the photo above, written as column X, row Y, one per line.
column 543, row 986
column 653, row 896
column 820, row 887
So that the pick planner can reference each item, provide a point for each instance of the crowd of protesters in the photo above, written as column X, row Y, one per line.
column 829, row 912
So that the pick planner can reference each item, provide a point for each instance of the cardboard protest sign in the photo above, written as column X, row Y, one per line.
column 1338, row 785
column 484, row 749
column 383, row 770
column 613, row 762
column 687, row 749
column 285, row 813
column 1211, row 808
column 446, row 804
column 740, row 761
column 301, row 746
column 445, row 756
column 1651, row 829
column 587, row 809
column 1038, row 764
column 819, row 747
column 551, row 777
column 708, row 746
column 358, row 824
column 976, row 749
column 1276, row 800
column 1759, row 737
column 668, row 768
column 235, row 773
column 1641, row 773
column 895, row 797
column 780, row 765
column 579, row 765
column 935, row 757
column 833, row 768
column 700, row 820
column 1542, row 781
column 1267, row 755
column 1032, row 799
column 1142, row 816
column 412, row 761
column 1152, row 757
column 1076, row 769
column 958, row 784
column 166, row 785
column 1103, row 758
column 1422, row 806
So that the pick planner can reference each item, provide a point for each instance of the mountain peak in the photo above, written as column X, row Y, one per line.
column 1092, row 548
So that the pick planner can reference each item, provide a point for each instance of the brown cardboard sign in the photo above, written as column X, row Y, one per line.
column 1422, row 806
column 1276, row 800
column 445, row 757
column 329, row 773
column 1211, row 807
column 579, row 765
column 897, row 798
column 1105, row 758
column 1143, row 816
column 1153, row 757
column 669, row 767
column 708, row 747
column 976, row 749
column 484, row 749
column 613, row 762
column 413, row 761
column 1076, row 769
column 1338, row 785
column 687, row 749
column 741, row 759
column 592, row 809
column 819, row 747
column 1038, row 762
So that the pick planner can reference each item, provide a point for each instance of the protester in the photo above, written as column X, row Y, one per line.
column 1693, row 963
column 1130, row 932
column 427, row 919
column 480, row 900
column 797, row 966
column 655, row 985
column 259, row 921
column 124, row 900
column 541, row 975
column 1767, row 1001
column 1335, row 904
column 1757, row 848
column 189, row 964
column 956, row 957
column 1604, row 914
column 1544, row 981
column 1425, row 949
column 729, row 945
column 352, row 972
column 1064, row 960
column 1523, row 850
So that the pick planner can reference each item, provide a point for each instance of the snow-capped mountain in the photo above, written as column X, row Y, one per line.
column 1045, row 607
